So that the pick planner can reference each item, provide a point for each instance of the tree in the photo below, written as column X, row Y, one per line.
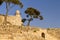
column 1, row 2
column 8, row 2
column 31, row 14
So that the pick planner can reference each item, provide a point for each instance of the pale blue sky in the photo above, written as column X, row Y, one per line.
column 50, row 10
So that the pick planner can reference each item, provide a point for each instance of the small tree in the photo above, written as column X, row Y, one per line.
column 8, row 2
column 31, row 14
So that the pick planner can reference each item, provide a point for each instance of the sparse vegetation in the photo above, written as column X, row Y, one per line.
column 34, row 30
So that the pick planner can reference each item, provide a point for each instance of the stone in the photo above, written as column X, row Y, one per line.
column 13, row 19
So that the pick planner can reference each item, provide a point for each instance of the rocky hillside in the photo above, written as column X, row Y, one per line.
column 54, row 32
column 14, row 32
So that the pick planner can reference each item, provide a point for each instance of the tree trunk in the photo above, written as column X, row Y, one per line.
column 29, row 20
column 5, row 21
column 28, row 27
column 28, row 23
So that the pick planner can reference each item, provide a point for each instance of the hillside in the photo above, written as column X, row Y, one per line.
column 14, row 32
column 54, row 32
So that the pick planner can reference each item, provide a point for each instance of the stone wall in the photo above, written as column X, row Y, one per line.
column 14, row 19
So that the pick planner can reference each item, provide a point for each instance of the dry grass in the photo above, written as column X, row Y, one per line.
column 55, row 32
column 20, row 31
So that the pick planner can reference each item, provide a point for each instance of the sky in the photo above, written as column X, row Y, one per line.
column 50, row 10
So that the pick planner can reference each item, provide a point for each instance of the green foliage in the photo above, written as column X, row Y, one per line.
column 41, row 18
column 32, row 13
column 23, row 20
column 1, row 2
column 16, row 2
